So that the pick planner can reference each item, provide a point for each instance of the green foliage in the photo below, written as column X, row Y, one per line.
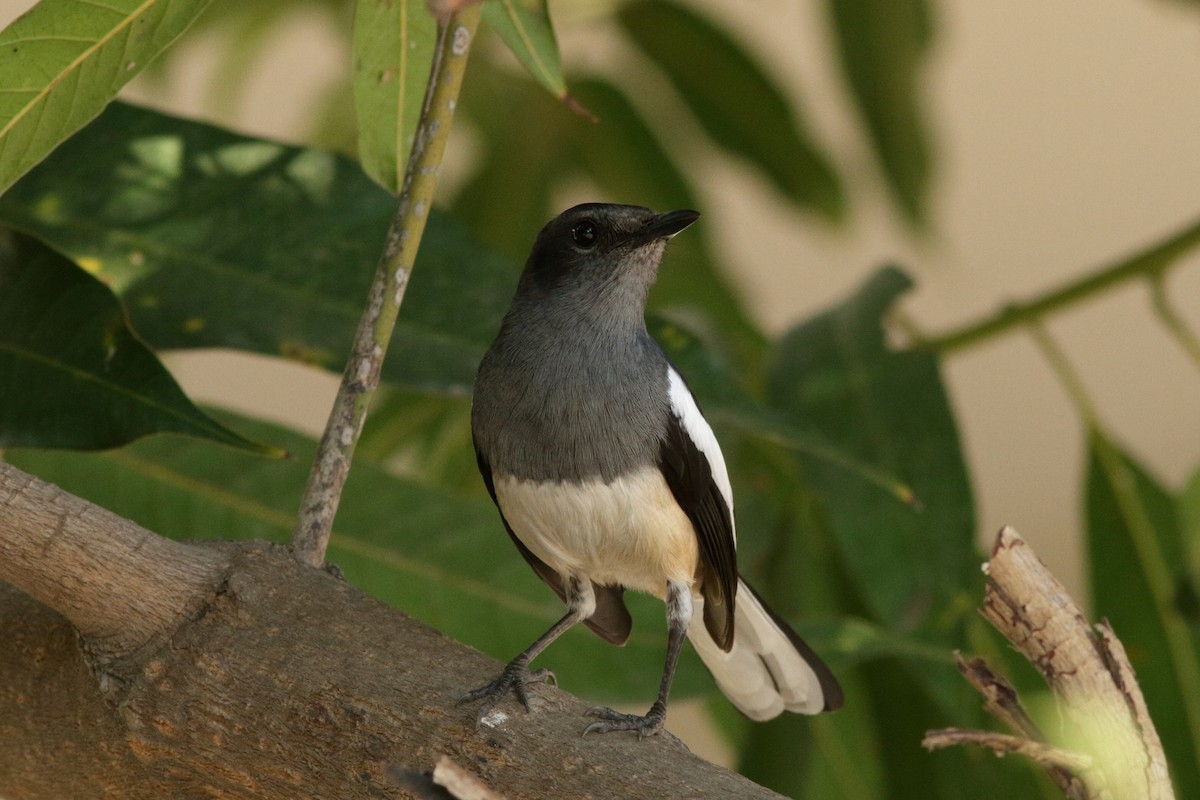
column 882, row 44
column 854, row 502
column 72, row 373
column 1139, row 577
column 393, row 50
column 735, row 101
column 64, row 60
column 217, row 240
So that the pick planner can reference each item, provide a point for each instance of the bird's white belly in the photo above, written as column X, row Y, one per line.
column 629, row 532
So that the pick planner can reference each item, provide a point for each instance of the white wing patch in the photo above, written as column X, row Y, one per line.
column 683, row 406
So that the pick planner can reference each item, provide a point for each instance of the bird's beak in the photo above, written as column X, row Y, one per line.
column 664, row 226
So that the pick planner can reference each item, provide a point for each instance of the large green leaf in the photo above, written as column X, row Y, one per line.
column 393, row 53
column 882, row 44
column 217, row 240
column 1137, row 564
column 72, row 373
column 836, row 376
column 525, row 27
column 735, row 100
column 64, row 60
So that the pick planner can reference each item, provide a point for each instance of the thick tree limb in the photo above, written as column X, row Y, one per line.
column 1103, row 714
column 121, row 586
column 281, row 682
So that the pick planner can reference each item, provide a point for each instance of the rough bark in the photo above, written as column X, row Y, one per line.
column 282, row 681
column 1108, row 747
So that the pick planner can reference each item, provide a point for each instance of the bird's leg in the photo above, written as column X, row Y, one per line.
column 581, row 604
column 679, row 615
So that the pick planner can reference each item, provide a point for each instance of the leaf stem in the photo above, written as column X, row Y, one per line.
column 1150, row 263
column 361, row 377
column 1174, row 323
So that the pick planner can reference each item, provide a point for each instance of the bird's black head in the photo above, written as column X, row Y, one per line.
column 595, row 246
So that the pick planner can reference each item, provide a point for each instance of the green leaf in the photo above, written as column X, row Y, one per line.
column 736, row 101
column 393, row 53
column 882, row 44
column 442, row 558
column 72, row 373
column 64, row 60
column 1137, row 564
column 835, row 376
column 525, row 27
column 1189, row 521
column 218, row 240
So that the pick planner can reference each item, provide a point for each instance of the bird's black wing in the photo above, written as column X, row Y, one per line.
column 611, row 620
column 689, row 474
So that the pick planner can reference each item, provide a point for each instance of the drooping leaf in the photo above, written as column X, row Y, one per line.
column 736, row 101
column 72, row 373
column 393, row 51
column 525, row 27
column 1137, row 565
column 835, row 375
column 217, row 240
column 882, row 45
column 64, row 60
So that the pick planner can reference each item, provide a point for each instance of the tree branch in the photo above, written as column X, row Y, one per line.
column 121, row 586
column 1103, row 714
column 244, row 696
column 1150, row 263
column 331, row 465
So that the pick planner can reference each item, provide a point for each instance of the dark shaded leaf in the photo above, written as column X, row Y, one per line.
column 64, row 60
column 215, row 240
column 735, row 101
column 836, row 376
column 1137, row 559
column 72, row 373
column 882, row 44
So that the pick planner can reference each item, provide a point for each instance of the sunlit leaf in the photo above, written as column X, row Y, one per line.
column 735, row 100
column 525, row 27
column 72, row 373
column 217, row 240
column 64, row 60
column 393, row 52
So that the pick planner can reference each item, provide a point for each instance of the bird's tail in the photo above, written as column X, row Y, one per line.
column 769, row 669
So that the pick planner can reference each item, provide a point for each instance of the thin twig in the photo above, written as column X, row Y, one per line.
column 1149, row 263
column 1174, row 323
column 361, row 378
column 1000, row 743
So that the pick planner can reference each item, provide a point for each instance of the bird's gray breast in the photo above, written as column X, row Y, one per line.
column 573, row 410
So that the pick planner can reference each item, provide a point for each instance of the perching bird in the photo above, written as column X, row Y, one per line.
column 608, row 477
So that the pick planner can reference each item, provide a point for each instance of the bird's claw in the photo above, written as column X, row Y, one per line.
column 651, row 724
column 515, row 678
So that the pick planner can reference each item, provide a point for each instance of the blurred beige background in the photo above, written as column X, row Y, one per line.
column 1067, row 135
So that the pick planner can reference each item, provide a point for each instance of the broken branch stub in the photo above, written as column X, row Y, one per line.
column 1103, row 715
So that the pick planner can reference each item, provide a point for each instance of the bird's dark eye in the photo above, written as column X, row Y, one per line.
column 584, row 233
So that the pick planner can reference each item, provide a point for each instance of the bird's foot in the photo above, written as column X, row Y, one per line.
column 515, row 678
column 649, row 725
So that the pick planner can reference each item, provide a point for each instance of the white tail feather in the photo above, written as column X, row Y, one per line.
column 762, row 674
